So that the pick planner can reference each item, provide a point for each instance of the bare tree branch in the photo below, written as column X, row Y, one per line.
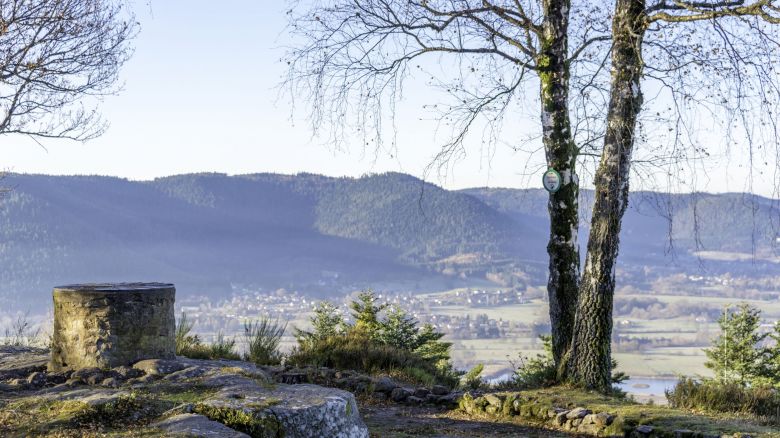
column 56, row 55
column 696, row 11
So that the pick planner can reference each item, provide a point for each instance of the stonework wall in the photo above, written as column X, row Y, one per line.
column 107, row 325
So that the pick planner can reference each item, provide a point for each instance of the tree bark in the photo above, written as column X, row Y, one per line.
column 561, row 153
column 590, row 363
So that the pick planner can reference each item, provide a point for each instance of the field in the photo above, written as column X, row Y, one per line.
column 499, row 355
column 688, row 334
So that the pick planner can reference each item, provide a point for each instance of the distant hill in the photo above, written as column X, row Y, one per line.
column 660, row 223
column 209, row 233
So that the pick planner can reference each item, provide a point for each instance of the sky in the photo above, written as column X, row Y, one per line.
column 201, row 94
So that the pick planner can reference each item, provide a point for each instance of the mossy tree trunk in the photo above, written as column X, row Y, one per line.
column 590, row 363
column 561, row 153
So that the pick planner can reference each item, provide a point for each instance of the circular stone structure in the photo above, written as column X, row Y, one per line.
column 112, row 324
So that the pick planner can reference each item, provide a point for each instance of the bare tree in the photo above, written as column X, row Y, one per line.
column 588, row 62
column 56, row 58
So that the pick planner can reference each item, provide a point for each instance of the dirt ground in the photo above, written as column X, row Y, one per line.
column 387, row 420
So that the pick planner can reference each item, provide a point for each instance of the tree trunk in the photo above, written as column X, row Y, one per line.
column 590, row 360
column 561, row 153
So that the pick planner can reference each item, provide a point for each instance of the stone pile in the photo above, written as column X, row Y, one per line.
column 579, row 420
column 381, row 388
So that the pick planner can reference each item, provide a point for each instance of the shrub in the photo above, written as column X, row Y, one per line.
column 536, row 372
column 716, row 396
column 357, row 352
column 22, row 333
column 190, row 345
column 393, row 344
column 473, row 378
column 326, row 322
column 223, row 348
column 540, row 371
column 185, row 341
column 262, row 338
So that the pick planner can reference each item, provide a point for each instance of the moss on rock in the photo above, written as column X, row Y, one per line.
column 251, row 422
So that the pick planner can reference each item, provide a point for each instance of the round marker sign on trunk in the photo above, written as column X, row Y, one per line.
column 551, row 180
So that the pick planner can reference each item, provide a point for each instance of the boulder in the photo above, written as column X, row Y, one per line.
column 560, row 418
column 644, row 429
column 578, row 413
column 400, row 394
column 111, row 382
column 589, row 428
column 293, row 411
column 384, row 384
column 37, row 378
column 450, row 399
column 84, row 375
column 292, row 378
column 125, row 372
column 603, row 419
column 421, row 392
column 440, row 390
column 193, row 425
column 493, row 400
column 414, row 400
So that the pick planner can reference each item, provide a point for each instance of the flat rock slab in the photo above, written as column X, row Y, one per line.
column 89, row 396
column 300, row 411
column 158, row 367
column 20, row 362
column 193, row 425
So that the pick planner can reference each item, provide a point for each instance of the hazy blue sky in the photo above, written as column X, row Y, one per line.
column 200, row 95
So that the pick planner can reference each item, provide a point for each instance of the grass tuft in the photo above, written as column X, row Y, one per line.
column 262, row 338
column 713, row 396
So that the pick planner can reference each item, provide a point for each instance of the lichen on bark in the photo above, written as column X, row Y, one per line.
column 590, row 361
column 561, row 154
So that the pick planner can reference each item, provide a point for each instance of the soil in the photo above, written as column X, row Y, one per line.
column 386, row 420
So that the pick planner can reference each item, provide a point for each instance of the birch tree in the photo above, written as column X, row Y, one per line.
column 587, row 62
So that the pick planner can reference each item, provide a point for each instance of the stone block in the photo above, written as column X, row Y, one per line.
column 421, row 393
column 108, row 325
column 578, row 413
column 384, row 384
column 400, row 394
column 493, row 400
column 440, row 390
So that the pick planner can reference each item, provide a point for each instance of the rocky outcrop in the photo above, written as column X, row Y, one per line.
column 183, row 397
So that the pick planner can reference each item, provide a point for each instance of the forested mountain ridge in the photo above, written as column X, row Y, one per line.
column 207, row 232
column 681, row 223
column 323, row 235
